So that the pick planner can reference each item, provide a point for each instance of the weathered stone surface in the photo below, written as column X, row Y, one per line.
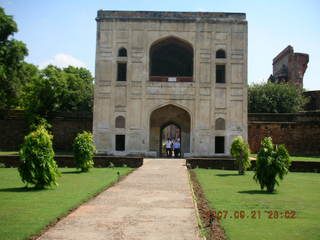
column 154, row 202
column 198, row 94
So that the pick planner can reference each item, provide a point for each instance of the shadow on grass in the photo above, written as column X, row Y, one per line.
column 257, row 192
column 71, row 172
column 22, row 189
column 228, row 174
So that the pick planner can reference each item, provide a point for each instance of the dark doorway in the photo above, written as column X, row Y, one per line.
column 219, row 144
column 120, row 142
column 171, row 131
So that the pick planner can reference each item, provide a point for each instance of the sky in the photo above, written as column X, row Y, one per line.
column 63, row 32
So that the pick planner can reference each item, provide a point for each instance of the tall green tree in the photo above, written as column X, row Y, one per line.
column 56, row 89
column 275, row 98
column 12, row 53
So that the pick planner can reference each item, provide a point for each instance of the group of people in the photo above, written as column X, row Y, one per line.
column 173, row 147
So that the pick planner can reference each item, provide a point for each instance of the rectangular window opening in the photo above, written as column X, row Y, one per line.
column 122, row 72
column 220, row 73
column 219, row 144
column 120, row 142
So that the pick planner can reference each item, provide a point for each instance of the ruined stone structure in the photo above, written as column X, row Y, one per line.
column 289, row 67
column 155, row 70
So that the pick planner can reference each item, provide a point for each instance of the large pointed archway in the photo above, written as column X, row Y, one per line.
column 166, row 116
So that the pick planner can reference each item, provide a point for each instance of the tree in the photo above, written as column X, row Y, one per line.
column 240, row 151
column 275, row 98
column 272, row 163
column 37, row 164
column 12, row 53
column 83, row 150
column 55, row 89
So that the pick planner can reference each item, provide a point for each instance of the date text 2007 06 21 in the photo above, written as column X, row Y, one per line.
column 254, row 214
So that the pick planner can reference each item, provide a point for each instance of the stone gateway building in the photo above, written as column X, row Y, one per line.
column 179, row 75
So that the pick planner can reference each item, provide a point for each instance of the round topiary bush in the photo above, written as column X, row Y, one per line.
column 37, row 164
column 240, row 151
column 273, row 163
column 83, row 150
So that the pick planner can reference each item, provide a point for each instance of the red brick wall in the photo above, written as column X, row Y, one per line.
column 65, row 127
column 299, row 132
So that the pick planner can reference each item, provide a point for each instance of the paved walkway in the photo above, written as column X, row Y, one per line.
column 154, row 202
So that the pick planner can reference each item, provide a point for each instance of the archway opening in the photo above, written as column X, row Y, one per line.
column 169, row 133
column 161, row 121
column 171, row 59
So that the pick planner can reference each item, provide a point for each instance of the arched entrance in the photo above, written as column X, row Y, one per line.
column 170, row 131
column 175, row 118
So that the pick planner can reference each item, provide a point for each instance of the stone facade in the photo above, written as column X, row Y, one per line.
column 289, row 67
column 154, row 69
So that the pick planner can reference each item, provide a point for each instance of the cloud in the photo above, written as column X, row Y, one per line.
column 63, row 60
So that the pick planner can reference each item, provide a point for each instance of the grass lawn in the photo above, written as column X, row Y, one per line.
column 298, row 158
column 9, row 152
column 26, row 212
column 300, row 192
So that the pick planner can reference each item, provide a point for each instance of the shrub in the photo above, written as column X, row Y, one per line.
column 272, row 164
column 37, row 165
column 240, row 151
column 84, row 150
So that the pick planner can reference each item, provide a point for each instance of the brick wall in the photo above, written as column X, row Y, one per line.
column 65, row 127
column 299, row 132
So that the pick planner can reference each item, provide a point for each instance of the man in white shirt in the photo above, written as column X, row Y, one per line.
column 168, row 147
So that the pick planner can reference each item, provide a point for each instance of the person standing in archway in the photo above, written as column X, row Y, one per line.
column 168, row 147
column 176, row 148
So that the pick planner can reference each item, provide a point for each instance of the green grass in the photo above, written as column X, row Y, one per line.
column 8, row 152
column 298, row 158
column 226, row 190
column 26, row 212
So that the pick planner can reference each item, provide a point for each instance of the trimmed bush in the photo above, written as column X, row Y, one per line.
column 83, row 150
column 273, row 163
column 240, row 151
column 37, row 165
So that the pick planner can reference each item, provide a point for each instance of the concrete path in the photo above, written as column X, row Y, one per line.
column 154, row 202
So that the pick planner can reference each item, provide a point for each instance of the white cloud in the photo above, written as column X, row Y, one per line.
column 63, row 60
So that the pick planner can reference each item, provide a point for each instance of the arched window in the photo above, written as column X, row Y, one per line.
column 220, row 124
column 122, row 52
column 220, row 54
column 120, row 122
column 171, row 57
